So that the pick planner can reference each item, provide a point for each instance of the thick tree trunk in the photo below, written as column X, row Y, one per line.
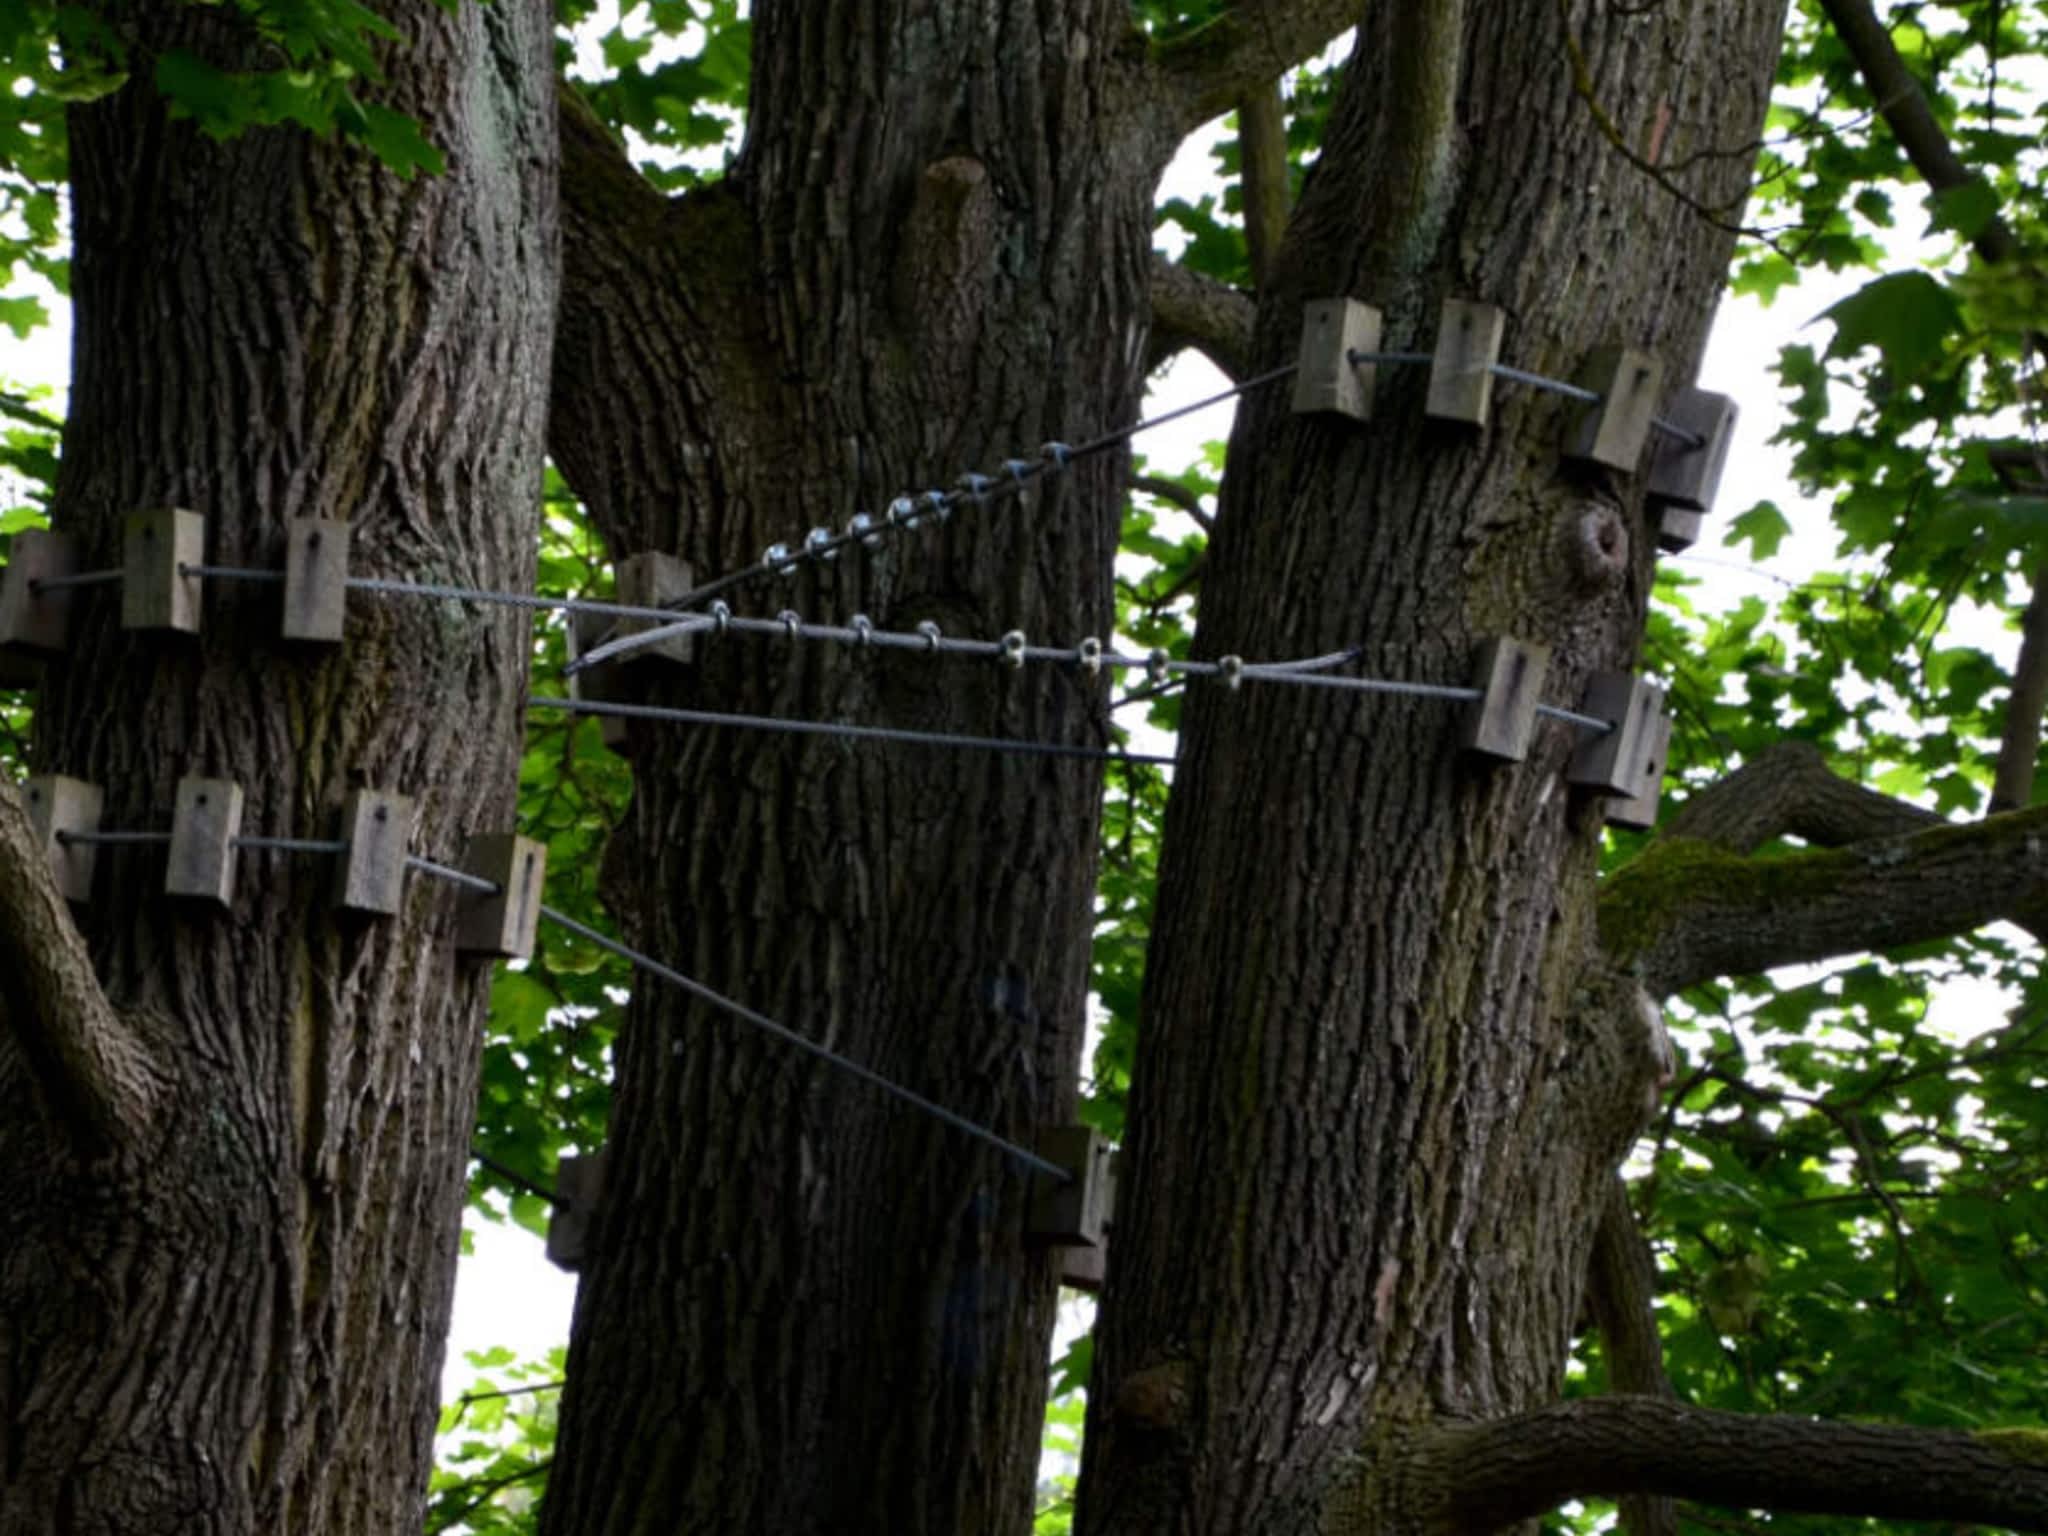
column 806, row 1307
column 232, row 1319
column 1383, row 1071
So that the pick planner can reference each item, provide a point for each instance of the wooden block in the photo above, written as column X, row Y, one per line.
column 1639, row 810
column 378, row 830
column 1687, row 476
column 153, row 593
column 1510, row 674
column 1468, row 341
column 204, row 826
column 37, row 622
column 1083, row 1268
column 1612, row 431
column 1075, row 1212
column 57, row 804
column 502, row 923
column 1612, row 762
column 1677, row 528
column 316, row 579
column 602, row 684
column 579, row 1183
column 1327, row 380
column 653, row 581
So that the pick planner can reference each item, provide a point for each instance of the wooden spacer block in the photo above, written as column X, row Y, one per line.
column 1612, row 431
column 316, row 579
column 651, row 581
column 1685, row 476
column 378, row 830
column 57, row 804
column 153, row 593
column 502, row 923
column 603, row 684
column 204, row 826
column 1612, row 762
column 1326, row 380
column 579, row 1183
column 1639, row 810
column 1085, row 1268
column 1677, row 528
column 1468, row 341
column 37, row 622
column 1510, row 674
column 1074, row 1213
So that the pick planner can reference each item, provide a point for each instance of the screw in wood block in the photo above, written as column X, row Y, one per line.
column 58, row 805
column 316, row 579
column 378, row 830
column 1326, row 380
column 603, row 684
column 579, row 1183
column 154, row 592
column 1468, row 342
column 204, row 826
column 1613, row 430
column 1510, row 675
column 1639, row 810
column 502, row 922
column 654, row 581
column 1612, row 761
column 1678, row 529
column 1075, row 1212
column 1685, row 474
column 35, row 622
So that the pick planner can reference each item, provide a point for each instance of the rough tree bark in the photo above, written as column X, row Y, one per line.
column 233, row 1143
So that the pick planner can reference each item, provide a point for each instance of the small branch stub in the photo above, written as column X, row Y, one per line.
column 1686, row 475
column 1468, row 342
column 1638, row 811
column 1612, row 431
column 1073, row 1213
column 502, row 922
column 579, row 1183
column 1510, row 675
column 1612, row 762
column 654, row 581
column 58, row 805
column 204, row 826
column 371, row 877
column 316, row 579
column 32, row 621
column 1326, row 380
column 155, row 592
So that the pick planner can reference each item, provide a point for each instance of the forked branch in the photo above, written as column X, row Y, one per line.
column 1207, row 72
column 1190, row 310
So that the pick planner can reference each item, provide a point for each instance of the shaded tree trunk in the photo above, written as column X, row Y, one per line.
column 1384, row 1071
column 227, row 1313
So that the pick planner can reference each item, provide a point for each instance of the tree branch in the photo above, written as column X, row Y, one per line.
column 2021, row 745
column 1262, row 175
column 1250, row 45
column 1190, row 310
column 1621, row 1291
column 93, row 1073
column 1491, row 1475
column 1790, row 791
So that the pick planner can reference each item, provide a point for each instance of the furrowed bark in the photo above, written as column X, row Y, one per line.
column 1250, row 45
column 1489, row 1476
column 1190, row 310
column 234, row 1327
column 95, row 1077
column 1621, row 1292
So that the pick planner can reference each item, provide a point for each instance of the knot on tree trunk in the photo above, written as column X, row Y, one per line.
column 1616, row 1059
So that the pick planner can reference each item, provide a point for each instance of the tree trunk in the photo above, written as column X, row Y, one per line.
column 1383, row 1072
column 231, row 1318
column 807, row 1307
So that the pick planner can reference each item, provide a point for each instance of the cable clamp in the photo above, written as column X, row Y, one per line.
column 902, row 512
column 940, row 503
column 1231, row 670
column 976, row 489
column 776, row 558
column 1089, row 655
column 721, row 615
column 1155, row 665
column 1019, row 470
column 819, row 546
column 1056, row 455
column 861, row 526
column 863, row 629
column 930, row 631
column 792, row 623
column 1013, row 648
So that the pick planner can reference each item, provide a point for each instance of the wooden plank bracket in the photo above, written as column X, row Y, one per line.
column 1509, row 673
column 155, row 593
column 1073, row 1213
column 32, row 621
column 1639, row 810
column 57, row 805
column 1687, row 474
column 1326, row 381
column 371, row 876
column 1612, row 762
column 316, row 579
column 501, row 923
column 1468, row 339
column 579, row 1184
column 204, row 825
column 1612, row 430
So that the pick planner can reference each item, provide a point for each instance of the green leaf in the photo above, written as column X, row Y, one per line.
column 1764, row 526
column 1966, row 209
column 1906, row 316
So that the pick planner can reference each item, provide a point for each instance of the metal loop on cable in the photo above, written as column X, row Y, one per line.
column 1231, row 670
column 861, row 526
column 976, row 487
column 776, row 556
column 792, row 623
column 940, row 503
column 818, row 544
column 1058, row 455
column 1013, row 648
column 1019, row 470
column 1155, row 665
column 1089, row 654
column 902, row 511
column 863, row 629
column 721, row 616
column 930, row 631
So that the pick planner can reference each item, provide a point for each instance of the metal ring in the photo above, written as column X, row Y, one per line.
column 902, row 510
column 1089, row 654
column 1019, row 470
column 1013, row 648
column 976, row 487
column 721, row 615
column 792, row 623
column 939, row 502
column 861, row 526
column 1231, row 670
column 930, row 631
column 863, row 629
column 1056, row 454
column 776, row 558
column 1155, row 664
column 818, row 544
